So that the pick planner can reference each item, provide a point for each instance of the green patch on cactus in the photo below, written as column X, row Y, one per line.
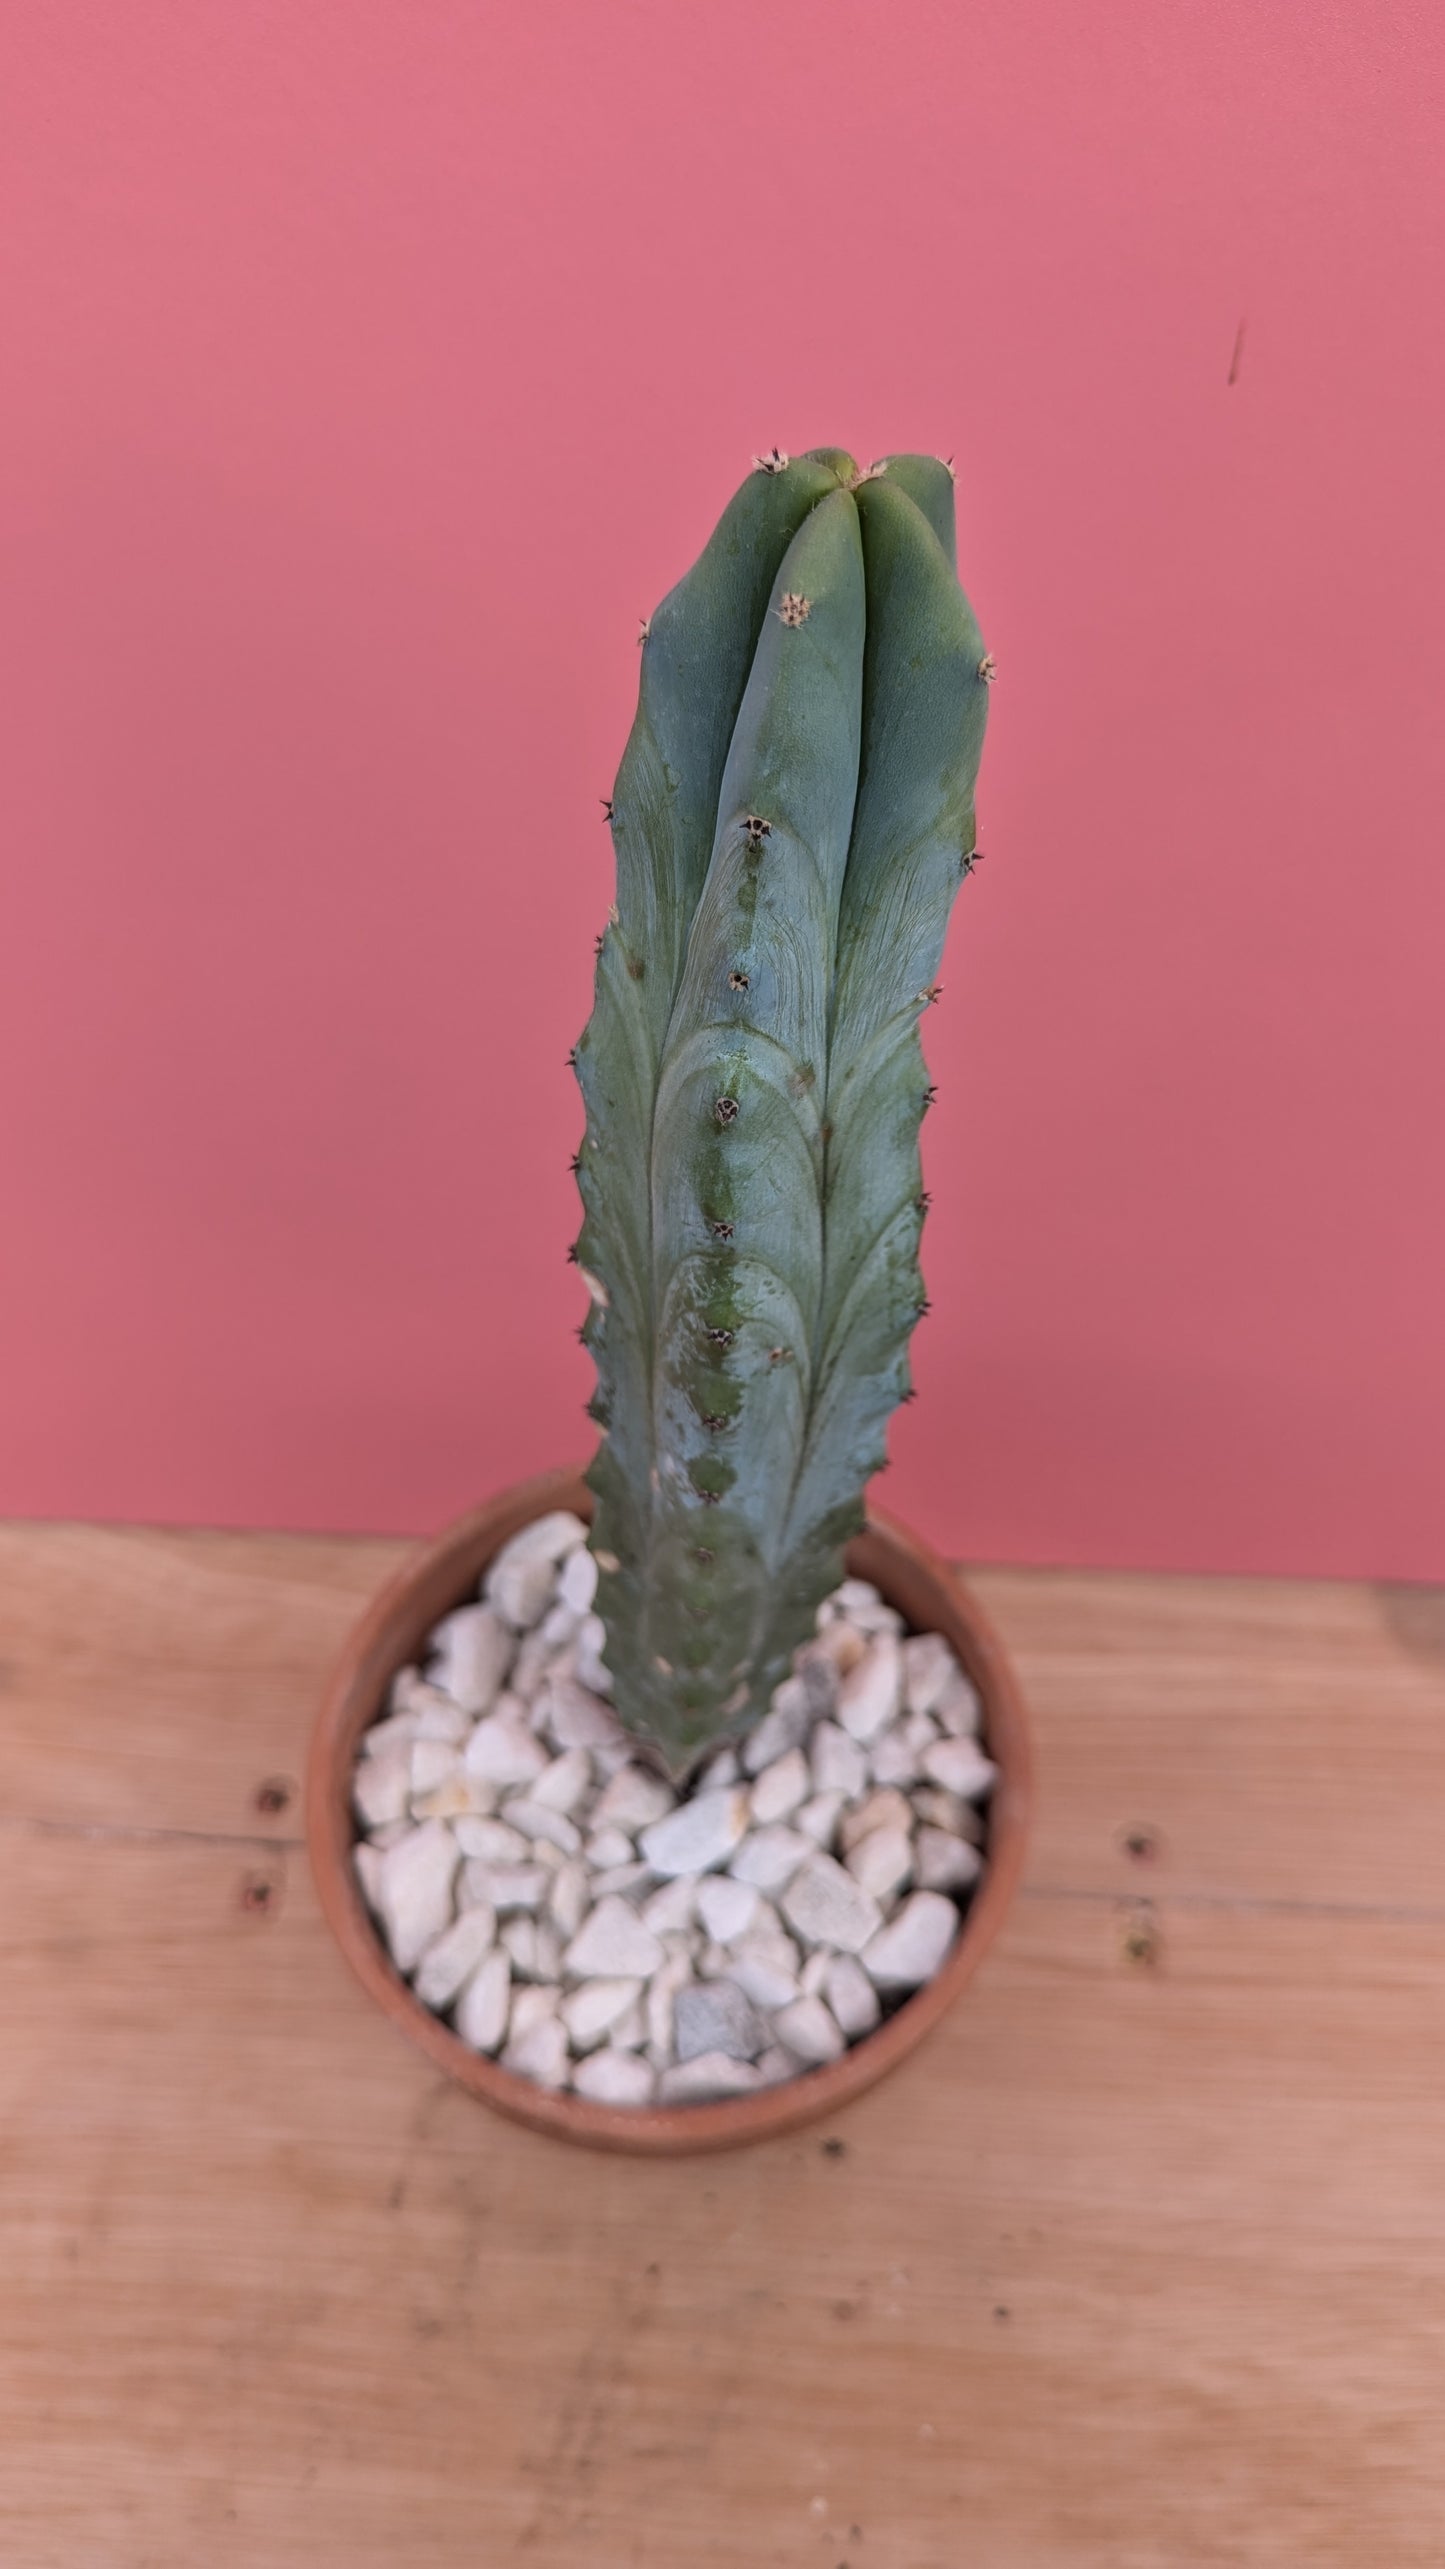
column 790, row 820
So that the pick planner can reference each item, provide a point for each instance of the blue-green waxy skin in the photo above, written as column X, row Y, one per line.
column 791, row 820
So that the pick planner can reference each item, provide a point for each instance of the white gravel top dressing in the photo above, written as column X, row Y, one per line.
column 570, row 1913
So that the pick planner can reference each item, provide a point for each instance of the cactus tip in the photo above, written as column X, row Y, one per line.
column 794, row 609
column 606, row 802
column 756, row 829
column 725, row 1109
column 988, row 668
column 775, row 461
column 644, row 628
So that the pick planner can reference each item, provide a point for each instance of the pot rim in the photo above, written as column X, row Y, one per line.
column 445, row 1573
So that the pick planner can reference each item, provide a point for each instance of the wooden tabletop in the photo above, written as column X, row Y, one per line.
column 1139, row 2263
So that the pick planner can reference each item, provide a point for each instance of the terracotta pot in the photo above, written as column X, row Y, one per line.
column 930, row 1597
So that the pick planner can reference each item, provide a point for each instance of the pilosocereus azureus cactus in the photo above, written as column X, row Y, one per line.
column 792, row 818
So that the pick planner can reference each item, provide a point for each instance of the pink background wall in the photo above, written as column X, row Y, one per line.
column 369, row 371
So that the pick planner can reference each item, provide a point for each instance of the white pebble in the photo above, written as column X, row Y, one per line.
column 928, row 1664
column 381, row 1785
column 504, row 1887
column 910, row 1948
column 591, row 1669
column 541, row 2055
column 565, row 1784
column 784, row 1725
column 947, row 1811
column 713, row 2074
column 614, row 1944
column 883, row 1809
column 838, row 1642
column 720, row 1770
column 607, row 1847
column 675, row 1974
column 819, row 1818
column 839, row 1764
column 776, row 2064
column 882, row 1862
column 698, row 1835
column 569, row 1898
column 959, row 1709
column 807, row 2027
column 541, row 1544
column 589, row 2013
column 484, row 2005
column 633, row 1800
column 716, row 2016
column 453, row 1956
column 575, row 1717
column 432, row 1762
column 892, row 1760
column 399, row 1732
column 944, row 1862
column 850, row 1594
column 869, row 1695
column 493, row 1841
column 473, row 1650
column 670, row 1911
column 766, row 1963
column 502, row 1749
column 535, row 1820
column 780, row 1788
column 770, row 1857
column 461, row 1797
column 415, row 1890
column 614, row 2078
column 727, row 1908
column 534, row 1661
column 630, row 2031
column 577, row 1580
column 960, row 1766
column 815, row 1972
column 827, row 1907
column 532, row 2006
column 620, row 1877
column 367, row 1861
column 851, row 1996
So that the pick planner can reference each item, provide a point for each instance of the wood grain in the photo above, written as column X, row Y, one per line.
column 1140, row 2262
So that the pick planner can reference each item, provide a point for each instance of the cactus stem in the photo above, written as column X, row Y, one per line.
column 775, row 461
column 988, row 668
column 725, row 1109
column 795, row 608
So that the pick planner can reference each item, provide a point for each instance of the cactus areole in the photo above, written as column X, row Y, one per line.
column 792, row 818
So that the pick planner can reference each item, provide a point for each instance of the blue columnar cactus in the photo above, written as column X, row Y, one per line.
column 791, row 820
